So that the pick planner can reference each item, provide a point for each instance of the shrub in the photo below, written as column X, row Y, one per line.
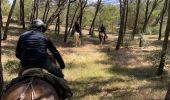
column 12, row 66
column 155, row 30
column 154, row 58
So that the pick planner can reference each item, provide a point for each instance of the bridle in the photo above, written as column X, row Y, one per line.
column 33, row 94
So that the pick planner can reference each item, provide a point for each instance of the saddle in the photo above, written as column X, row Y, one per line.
column 59, row 84
column 77, row 34
column 101, row 34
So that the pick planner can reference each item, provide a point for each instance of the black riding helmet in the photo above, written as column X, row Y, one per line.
column 38, row 24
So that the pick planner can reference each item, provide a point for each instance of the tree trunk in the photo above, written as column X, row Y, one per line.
column 165, row 43
column 56, row 13
column 34, row 14
column 22, row 15
column 91, row 32
column 81, row 15
column 1, row 69
column 46, row 11
column 161, row 19
column 122, row 24
column 126, row 17
column 66, row 27
column 147, row 17
column 157, row 20
column 37, row 6
column 1, row 19
column 1, row 22
column 120, row 1
column 73, row 20
column 9, row 20
column 135, row 27
column 33, row 11
column 58, row 20
column 57, row 26
column 82, row 12
column 46, row 16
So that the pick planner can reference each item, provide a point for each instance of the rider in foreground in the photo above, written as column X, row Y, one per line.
column 32, row 49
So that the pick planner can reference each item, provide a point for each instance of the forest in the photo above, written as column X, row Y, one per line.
column 130, row 60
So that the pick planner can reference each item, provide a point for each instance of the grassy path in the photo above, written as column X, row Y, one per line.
column 96, row 74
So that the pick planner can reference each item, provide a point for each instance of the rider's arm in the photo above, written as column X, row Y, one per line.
column 56, row 54
column 18, row 49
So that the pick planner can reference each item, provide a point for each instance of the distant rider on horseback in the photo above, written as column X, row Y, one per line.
column 102, row 30
column 32, row 50
column 77, row 29
column 77, row 34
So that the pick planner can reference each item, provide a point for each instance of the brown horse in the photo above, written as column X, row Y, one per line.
column 31, row 89
column 77, row 39
column 102, row 38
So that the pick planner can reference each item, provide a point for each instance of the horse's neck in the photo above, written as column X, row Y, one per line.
column 38, row 89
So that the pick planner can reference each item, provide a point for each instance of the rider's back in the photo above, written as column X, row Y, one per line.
column 102, row 29
column 34, row 48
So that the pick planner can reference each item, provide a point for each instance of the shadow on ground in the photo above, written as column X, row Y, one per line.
column 94, row 86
